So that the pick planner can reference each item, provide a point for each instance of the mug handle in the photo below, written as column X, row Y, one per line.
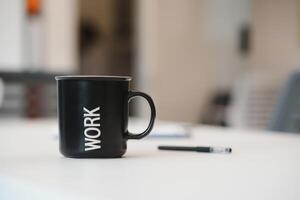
column 133, row 94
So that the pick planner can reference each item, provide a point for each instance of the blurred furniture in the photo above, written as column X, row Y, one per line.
column 286, row 115
column 253, row 99
column 28, row 94
column 263, row 166
column 216, row 110
column 107, row 39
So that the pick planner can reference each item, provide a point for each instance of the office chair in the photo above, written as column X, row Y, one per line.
column 286, row 115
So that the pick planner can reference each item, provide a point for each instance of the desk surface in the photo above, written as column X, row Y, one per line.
column 262, row 166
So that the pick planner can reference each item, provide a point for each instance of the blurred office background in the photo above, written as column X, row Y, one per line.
column 217, row 62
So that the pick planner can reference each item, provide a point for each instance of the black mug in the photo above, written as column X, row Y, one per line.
column 93, row 115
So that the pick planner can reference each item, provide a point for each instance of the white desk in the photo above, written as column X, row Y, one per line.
column 262, row 166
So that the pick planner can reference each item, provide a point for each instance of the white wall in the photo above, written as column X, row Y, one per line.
column 61, row 32
column 223, row 21
column 187, row 49
column 54, row 48
column 276, row 31
column 11, row 25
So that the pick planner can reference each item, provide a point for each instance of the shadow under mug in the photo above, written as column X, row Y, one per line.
column 93, row 115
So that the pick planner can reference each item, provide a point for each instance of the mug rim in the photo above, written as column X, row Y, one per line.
column 93, row 77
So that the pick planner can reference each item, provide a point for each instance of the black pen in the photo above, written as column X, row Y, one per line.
column 197, row 149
